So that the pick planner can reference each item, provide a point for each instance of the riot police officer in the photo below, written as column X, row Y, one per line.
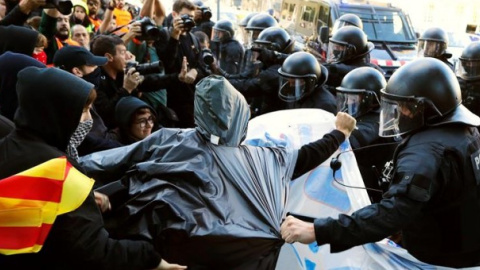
column 359, row 96
column 243, row 32
column 348, row 49
column 230, row 52
column 434, row 194
column 468, row 75
column 264, row 86
column 302, row 81
column 346, row 20
column 434, row 43
column 255, row 25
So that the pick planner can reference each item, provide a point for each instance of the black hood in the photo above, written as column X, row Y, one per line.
column 126, row 107
column 17, row 39
column 50, row 104
column 10, row 64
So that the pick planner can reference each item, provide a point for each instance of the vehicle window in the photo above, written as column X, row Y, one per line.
column 387, row 25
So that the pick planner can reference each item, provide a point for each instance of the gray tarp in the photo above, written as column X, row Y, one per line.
column 206, row 205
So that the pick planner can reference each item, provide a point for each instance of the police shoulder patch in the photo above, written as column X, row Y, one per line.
column 475, row 158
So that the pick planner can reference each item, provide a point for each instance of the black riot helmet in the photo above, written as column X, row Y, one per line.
column 222, row 31
column 247, row 18
column 424, row 92
column 347, row 19
column 300, row 74
column 432, row 43
column 257, row 24
column 359, row 91
column 349, row 42
column 469, row 66
column 275, row 39
column 242, row 25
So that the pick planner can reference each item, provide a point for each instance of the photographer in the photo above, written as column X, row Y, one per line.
column 202, row 17
column 140, row 43
column 117, row 81
column 173, row 45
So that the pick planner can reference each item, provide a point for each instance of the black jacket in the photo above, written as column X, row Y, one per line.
column 10, row 64
column 433, row 199
column 171, row 52
column 337, row 71
column 47, row 116
column 264, row 86
column 17, row 39
column 230, row 55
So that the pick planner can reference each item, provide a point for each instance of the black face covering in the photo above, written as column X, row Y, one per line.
column 93, row 77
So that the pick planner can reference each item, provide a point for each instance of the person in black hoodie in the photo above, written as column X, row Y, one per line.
column 17, row 39
column 135, row 120
column 5, row 126
column 10, row 65
column 82, row 63
column 47, row 116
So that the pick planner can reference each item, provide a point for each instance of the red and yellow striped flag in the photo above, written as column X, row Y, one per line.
column 31, row 200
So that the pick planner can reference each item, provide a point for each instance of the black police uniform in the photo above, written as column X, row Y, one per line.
column 471, row 95
column 371, row 161
column 336, row 71
column 434, row 197
column 230, row 53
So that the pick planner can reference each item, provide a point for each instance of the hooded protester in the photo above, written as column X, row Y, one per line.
column 47, row 116
column 82, row 63
column 5, row 126
column 206, row 200
column 10, row 65
column 135, row 120
column 17, row 39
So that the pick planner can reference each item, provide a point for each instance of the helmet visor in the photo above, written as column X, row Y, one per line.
column 252, row 35
column 431, row 48
column 219, row 35
column 292, row 89
column 400, row 115
column 468, row 69
column 352, row 102
column 338, row 52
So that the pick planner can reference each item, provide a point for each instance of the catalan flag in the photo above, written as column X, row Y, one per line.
column 31, row 200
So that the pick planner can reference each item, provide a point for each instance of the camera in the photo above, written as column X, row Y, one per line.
column 147, row 68
column 64, row 6
column 150, row 30
column 207, row 56
column 188, row 22
column 206, row 13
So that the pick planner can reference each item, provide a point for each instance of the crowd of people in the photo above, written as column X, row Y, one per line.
column 99, row 75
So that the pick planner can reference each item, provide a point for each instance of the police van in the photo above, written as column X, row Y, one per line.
column 387, row 27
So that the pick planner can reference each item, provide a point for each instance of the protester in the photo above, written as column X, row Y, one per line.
column 18, row 39
column 10, row 64
column 77, row 239
column 93, row 9
column 80, row 15
column 135, row 120
column 215, row 195
column 84, row 64
column 80, row 35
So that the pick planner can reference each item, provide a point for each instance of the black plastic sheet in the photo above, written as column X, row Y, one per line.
column 205, row 205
